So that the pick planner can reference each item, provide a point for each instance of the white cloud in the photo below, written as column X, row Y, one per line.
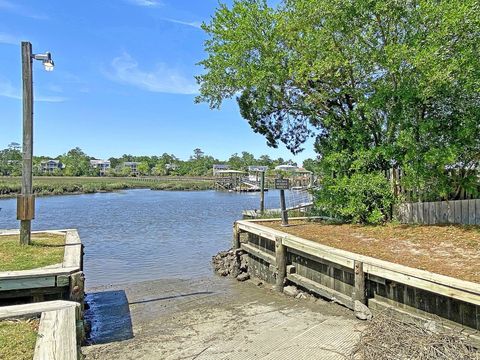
column 21, row 10
column 195, row 24
column 163, row 79
column 9, row 39
column 145, row 3
column 9, row 91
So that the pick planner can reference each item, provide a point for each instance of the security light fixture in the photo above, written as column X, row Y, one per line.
column 46, row 60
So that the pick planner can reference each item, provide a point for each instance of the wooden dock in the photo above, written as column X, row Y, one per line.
column 62, row 281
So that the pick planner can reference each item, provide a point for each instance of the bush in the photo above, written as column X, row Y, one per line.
column 360, row 198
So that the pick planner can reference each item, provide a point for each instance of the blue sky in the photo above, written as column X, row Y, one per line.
column 123, row 80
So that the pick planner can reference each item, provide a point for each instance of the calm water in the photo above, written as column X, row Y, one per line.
column 141, row 234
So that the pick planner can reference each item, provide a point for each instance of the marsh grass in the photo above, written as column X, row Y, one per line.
column 49, row 185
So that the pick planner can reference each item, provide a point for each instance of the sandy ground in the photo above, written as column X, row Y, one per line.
column 215, row 318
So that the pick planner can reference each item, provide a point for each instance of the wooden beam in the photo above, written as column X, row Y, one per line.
column 28, row 310
column 27, row 283
column 258, row 253
column 281, row 262
column 57, row 335
column 359, row 291
column 321, row 290
column 19, row 274
column 371, row 265
column 73, row 250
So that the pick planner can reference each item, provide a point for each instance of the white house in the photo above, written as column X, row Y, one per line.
column 49, row 166
column 102, row 165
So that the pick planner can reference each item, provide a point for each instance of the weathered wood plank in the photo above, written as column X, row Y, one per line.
column 43, row 272
column 426, row 213
column 27, row 283
column 471, row 212
column 27, row 310
column 415, row 213
column 321, row 290
column 464, row 205
column 281, row 263
column 423, row 284
column 316, row 250
column 444, row 210
column 57, row 337
column 359, row 292
column 458, row 211
column 451, row 212
column 73, row 250
column 347, row 259
column 420, row 213
column 477, row 216
column 410, row 213
column 258, row 253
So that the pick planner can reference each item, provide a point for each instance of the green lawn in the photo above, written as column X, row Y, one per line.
column 17, row 339
column 46, row 249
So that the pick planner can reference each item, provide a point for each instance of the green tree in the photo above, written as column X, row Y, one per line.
column 76, row 162
column 11, row 160
column 143, row 168
column 381, row 84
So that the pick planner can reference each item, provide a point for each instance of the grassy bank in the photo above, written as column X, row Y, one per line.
column 17, row 339
column 48, row 185
column 46, row 249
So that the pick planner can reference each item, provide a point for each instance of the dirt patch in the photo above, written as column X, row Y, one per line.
column 444, row 249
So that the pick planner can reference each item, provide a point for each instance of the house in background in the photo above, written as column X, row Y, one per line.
column 50, row 166
column 133, row 165
column 102, row 165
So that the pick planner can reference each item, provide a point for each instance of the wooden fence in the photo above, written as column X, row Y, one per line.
column 465, row 212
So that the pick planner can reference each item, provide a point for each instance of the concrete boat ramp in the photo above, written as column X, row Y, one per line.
column 215, row 318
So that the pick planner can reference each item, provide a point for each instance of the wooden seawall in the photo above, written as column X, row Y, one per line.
column 346, row 277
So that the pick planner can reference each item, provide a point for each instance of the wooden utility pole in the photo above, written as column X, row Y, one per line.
column 26, row 201
column 262, row 192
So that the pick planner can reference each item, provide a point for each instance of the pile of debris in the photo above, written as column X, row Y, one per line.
column 389, row 338
column 232, row 263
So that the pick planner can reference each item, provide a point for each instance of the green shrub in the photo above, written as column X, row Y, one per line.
column 360, row 198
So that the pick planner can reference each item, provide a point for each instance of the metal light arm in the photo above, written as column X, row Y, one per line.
column 46, row 60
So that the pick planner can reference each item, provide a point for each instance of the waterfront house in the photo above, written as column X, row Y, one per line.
column 133, row 165
column 49, row 166
column 101, row 165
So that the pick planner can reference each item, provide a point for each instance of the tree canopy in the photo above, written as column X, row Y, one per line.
column 381, row 84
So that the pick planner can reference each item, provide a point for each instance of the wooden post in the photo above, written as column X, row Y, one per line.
column 236, row 237
column 283, row 207
column 77, row 288
column 359, row 291
column 262, row 192
column 281, row 264
column 25, row 223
